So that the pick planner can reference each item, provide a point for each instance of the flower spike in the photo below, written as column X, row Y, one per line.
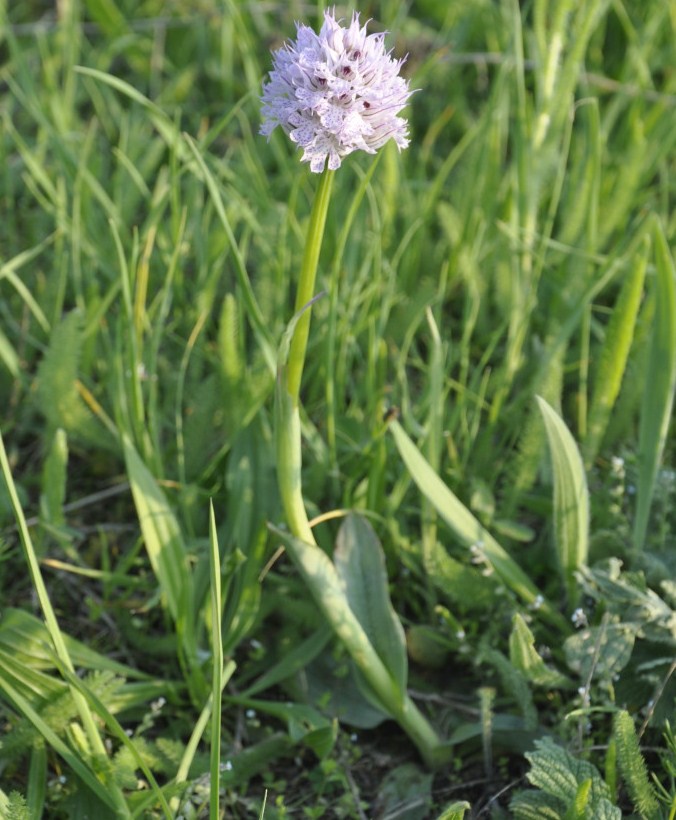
column 336, row 92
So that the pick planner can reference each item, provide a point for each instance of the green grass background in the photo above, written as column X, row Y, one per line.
column 149, row 241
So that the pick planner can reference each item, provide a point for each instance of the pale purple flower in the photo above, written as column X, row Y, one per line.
column 336, row 92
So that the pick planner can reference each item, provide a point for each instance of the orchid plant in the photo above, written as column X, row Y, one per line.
column 333, row 93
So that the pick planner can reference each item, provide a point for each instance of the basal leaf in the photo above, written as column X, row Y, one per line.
column 571, row 499
column 360, row 564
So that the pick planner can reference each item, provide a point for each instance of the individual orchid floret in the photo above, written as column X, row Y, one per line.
column 336, row 92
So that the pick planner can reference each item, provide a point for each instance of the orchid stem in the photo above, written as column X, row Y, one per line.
column 306, row 285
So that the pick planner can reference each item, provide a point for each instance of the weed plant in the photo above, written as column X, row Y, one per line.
column 485, row 417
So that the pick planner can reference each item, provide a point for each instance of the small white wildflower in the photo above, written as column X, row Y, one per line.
column 336, row 92
column 617, row 463
column 477, row 553
column 537, row 603
column 579, row 618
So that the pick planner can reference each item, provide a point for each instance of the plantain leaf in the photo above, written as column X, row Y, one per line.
column 161, row 532
column 571, row 499
column 658, row 394
column 360, row 564
column 614, row 354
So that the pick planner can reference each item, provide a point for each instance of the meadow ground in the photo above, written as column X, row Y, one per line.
column 485, row 420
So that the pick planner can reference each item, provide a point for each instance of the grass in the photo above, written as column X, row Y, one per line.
column 488, row 385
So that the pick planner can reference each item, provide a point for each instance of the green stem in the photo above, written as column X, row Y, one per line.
column 306, row 285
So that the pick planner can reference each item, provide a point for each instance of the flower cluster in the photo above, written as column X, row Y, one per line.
column 336, row 92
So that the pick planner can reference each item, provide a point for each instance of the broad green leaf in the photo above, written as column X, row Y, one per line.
column 612, row 360
column 658, row 391
column 571, row 499
column 466, row 527
column 329, row 594
column 360, row 564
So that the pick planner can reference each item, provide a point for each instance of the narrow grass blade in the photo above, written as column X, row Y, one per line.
column 196, row 736
column 658, row 393
column 466, row 527
column 614, row 354
column 217, row 667
column 571, row 499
